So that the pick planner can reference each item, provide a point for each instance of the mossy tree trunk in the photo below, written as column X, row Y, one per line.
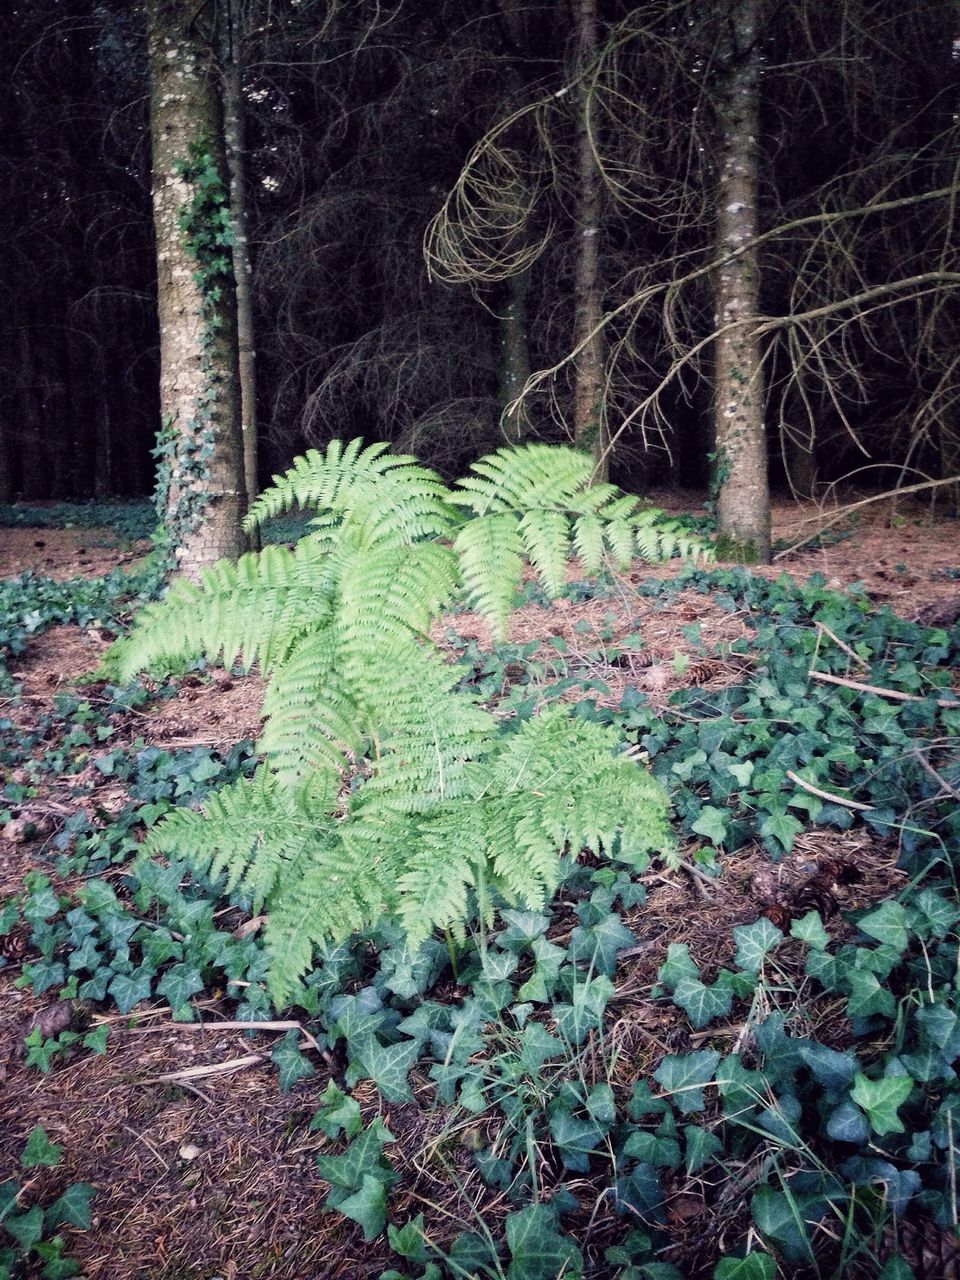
column 201, row 463
column 743, row 497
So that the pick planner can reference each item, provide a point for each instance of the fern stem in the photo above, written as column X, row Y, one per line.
column 452, row 953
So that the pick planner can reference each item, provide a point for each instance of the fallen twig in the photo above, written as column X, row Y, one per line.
column 827, row 795
column 876, row 688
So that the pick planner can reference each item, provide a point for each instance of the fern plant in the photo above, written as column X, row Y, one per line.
column 384, row 788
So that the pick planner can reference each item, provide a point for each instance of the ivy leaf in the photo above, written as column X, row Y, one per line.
column 362, row 1157
column 753, row 941
column 292, row 1064
column 337, row 1113
column 880, row 1100
column 129, row 989
column 73, row 1207
column 847, row 1123
column 96, row 1040
column 779, row 1218
column 387, row 1065
column 830, row 1068
column 701, row 1145
column 178, row 984
column 40, row 1150
column 780, row 829
column 407, row 1241
column 584, row 1014
column 683, row 1075
column 711, row 823
column 660, row 1151
column 367, row 1206
column 538, row 1249
column 26, row 1228
column 809, row 929
column 576, row 1139
column 677, row 965
column 600, row 942
column 702, row 1003
column 755, row 1266
column 887, row 924
column 868, row 997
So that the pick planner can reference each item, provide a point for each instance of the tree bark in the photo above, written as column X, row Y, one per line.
column 199, row 375
column 235, row 142
column 743, row 498
column 589, row 409
column 513, row 367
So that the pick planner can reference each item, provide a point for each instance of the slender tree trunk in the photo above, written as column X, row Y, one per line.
column 513, row 367
column 743, row 500
column 589, row 408
column 235, row 139
column 199, row 377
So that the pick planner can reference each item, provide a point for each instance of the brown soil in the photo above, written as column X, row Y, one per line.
column 213, row 1174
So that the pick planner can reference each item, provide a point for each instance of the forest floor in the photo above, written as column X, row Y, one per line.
column 201, row 1166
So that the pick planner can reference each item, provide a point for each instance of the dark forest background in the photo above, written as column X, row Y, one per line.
column 359, row 119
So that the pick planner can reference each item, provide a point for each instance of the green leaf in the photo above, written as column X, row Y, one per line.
column 387, row 1065
column 781, row 828
column 778, row 1218
column 40, row 1150
column 755, row 1266
column 867, row 996
column 362, row 1157
column 292, row 1064
column 337, row 1113
column 26, row 1228
column 96, row 1040
column 711, row 823
column 700, row 1145
column 129, row 989
column 677, row 965
column 538, row 1249
column 753, row 941
column 73, row 1207
column 367, row 1206
column 880, row 1100
column 407, row 1241
column 809, row 929
column 888, row 924
column 701, row 1003
column 179, row 983
column 683, row 1075
column 600, row 943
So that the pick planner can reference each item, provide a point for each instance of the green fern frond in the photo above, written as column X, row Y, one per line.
column 491, row 562
column 390, row 494
column 441, row 870
column 252, row 609
column 311, row 720
column 546, row 541
column 524, row 477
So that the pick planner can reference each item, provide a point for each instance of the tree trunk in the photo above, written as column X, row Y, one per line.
column 589, row 408
column 513, row 367
column 235, row 140
column 743, row 498
column 201, row 465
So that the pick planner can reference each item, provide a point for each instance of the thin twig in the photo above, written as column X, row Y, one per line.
column 827, row 795
column 944, row 784
column 875, row 688
column 841, row 644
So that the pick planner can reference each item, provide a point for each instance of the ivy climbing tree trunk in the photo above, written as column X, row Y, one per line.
column 743, row 496
column 200, row 481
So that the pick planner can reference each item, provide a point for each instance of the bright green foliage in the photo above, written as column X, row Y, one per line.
column 384, row 787
column 29, row 1226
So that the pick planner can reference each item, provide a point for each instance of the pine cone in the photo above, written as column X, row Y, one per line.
column 13, row 945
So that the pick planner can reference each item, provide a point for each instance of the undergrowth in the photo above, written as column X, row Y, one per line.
column 806, row 1144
